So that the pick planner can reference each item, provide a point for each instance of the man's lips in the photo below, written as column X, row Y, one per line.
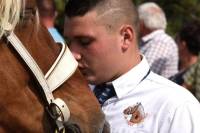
column 83, row 68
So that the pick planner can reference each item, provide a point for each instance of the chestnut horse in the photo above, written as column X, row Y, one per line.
column 22, row 101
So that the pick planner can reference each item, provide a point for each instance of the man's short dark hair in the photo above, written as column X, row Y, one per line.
column 113, row 12
column 79, row 7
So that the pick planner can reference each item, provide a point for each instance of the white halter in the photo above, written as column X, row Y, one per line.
column 64, row 66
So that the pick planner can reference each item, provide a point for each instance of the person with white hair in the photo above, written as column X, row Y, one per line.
column 158, row 47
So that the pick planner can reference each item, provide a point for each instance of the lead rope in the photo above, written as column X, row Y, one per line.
column 56, row 107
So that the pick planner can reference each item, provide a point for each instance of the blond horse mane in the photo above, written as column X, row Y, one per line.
column 9, row 14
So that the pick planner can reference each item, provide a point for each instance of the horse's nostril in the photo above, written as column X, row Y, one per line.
column 72, row 128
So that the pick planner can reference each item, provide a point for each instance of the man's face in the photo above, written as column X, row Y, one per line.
column 95, row 48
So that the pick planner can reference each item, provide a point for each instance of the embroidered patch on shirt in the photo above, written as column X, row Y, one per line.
column 134, row 114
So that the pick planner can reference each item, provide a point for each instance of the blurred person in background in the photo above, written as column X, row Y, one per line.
column 188, row 41
column 48, row 13
column 189, row 38
column 158, row 47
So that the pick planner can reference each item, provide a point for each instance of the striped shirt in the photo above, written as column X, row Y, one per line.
column 161, row 53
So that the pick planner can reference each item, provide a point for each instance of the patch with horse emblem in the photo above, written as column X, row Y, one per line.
column 134, row 114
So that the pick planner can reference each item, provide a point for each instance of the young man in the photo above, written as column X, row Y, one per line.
column 102, row 35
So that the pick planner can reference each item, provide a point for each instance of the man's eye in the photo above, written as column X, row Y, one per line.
column 85, row 41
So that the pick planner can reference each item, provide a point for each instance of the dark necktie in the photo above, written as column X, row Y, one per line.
column 103, row 92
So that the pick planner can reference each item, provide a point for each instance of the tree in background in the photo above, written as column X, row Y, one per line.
column 177, row 11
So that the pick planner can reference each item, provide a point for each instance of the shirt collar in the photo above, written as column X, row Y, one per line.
column 152, row 35
column 131, row 79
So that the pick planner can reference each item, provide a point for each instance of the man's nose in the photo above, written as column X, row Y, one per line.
column 76, row 55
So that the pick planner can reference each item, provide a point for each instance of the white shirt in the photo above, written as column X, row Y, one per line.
column 163, row 106
column 161, row 53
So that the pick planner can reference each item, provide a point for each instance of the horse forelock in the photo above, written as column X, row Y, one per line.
column 9, row 14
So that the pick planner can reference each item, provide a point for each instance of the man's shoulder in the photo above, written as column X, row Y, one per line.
column 164, row 37
column 168, row 89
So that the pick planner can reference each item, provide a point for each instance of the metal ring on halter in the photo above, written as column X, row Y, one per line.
column 60, row 109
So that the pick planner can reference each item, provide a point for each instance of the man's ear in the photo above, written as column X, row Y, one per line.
column 127, row 35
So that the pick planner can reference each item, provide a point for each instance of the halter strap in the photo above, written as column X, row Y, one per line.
column 62, row 69
column 16, row 43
